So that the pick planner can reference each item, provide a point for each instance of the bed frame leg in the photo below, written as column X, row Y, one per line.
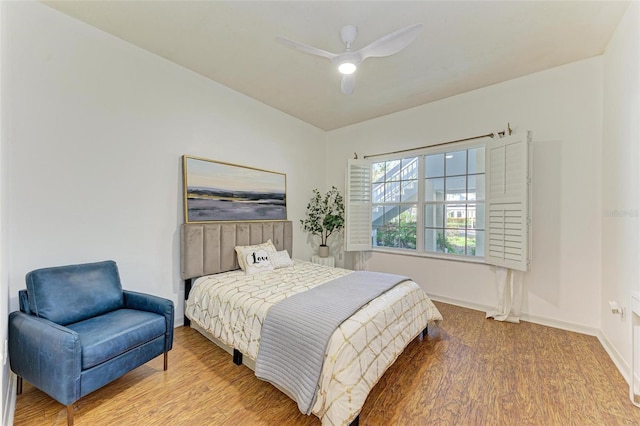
column 237, row 357
column 187, row 290
column 355, row 421
column 425, row 333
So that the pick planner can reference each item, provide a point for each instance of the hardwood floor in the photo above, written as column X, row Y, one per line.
column 469, row 371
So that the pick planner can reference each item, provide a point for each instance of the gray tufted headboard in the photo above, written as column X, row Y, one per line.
column 208, row 248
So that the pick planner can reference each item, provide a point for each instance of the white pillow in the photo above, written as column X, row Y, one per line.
column 244, row 252
column 281, row 259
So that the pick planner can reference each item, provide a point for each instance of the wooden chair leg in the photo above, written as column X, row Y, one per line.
column 70, row 415
column 166, row 361
column 19, row 386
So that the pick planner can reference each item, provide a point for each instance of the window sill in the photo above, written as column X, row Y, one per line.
column 454, row 258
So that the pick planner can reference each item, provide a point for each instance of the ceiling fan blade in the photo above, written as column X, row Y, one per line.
column 391, row 43
column 348, row 84
column 305, row 48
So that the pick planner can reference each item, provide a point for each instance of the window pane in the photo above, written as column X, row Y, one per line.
column 434, row 165
column 434, row 240
column 444, row 241
column 479, row 244
column 391, row 214
column 476, row 160
column 456, row 188
column 377, row 216
column 455, row 241
column 410, row 168
column 392, row 192
column 456, row 163
column 398, row 229
column 456, row 216
column 475, row 187
column 377, row 192
column 385, row 236
column 407, row 236
column 409, row 191
column 471, row 243
column 434, row 215
column 479, row 213
column 408, row 214
column 434, row 190
column 377, row 172
column 471, row 216
column 393, row 170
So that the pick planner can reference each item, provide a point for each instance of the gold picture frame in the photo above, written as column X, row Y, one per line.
column 216, row 192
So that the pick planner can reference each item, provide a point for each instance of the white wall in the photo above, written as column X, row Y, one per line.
column 98, row 128
column 563, row 108
column 621, row 179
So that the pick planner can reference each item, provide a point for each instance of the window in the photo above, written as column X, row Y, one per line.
column 451, row 197
column 468, row 201
column 394, row 213
column 454, row 202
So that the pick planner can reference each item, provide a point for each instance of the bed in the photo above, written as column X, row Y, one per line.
column 229, row 308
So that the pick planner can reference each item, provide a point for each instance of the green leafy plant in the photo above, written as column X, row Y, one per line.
column 325, row 214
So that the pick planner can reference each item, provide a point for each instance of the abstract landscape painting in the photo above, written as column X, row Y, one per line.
column 216, row 191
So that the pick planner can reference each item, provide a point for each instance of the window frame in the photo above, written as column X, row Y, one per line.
column 400, row 202
column 421, row 201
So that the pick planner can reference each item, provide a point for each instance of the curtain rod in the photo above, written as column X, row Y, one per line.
column 488, row 135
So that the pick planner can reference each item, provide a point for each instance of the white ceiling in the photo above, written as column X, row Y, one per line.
column 464, row 45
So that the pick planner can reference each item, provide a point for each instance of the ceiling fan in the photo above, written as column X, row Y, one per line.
column 349, row 60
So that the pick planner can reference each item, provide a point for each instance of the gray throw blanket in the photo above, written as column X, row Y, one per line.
column 296, row 331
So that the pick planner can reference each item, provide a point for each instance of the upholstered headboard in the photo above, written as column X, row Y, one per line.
column 209, row 248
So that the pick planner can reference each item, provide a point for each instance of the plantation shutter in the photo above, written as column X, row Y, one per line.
column 358, row 206
column 507, row 205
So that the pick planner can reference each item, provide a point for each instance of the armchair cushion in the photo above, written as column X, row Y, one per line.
column 116, row 332
column 68, row 294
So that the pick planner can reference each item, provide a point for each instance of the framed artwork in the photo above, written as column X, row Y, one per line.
column 215, row 191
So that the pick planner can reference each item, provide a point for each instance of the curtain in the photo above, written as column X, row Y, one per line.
column 360, row 261
column 509, row 291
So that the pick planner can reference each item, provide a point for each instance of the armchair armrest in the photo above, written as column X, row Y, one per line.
column 150, row 303
column 47, row 355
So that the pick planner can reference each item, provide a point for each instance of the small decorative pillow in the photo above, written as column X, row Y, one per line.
column 281, row 259
column 252, row 253
column 256, row 261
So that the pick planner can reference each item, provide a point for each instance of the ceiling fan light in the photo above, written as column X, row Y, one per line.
column 347, row 68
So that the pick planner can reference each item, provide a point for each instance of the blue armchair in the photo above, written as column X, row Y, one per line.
column 77, row 330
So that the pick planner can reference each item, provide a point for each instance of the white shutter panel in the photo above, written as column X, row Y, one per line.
column 358, row 206
column 507, row 205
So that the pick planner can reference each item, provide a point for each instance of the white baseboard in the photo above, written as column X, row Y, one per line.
column 456, row 302
column 9, row 407
column 618, row 360
column 549, row 322
column 563, row 325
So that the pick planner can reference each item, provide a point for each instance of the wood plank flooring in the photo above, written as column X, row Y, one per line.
column 469, row 371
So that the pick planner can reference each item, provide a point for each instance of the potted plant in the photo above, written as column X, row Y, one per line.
column 325, row 216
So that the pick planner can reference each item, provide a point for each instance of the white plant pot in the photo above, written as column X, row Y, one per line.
column 323, row 251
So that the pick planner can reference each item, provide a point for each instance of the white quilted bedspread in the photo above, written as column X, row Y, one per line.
column 232, row 306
